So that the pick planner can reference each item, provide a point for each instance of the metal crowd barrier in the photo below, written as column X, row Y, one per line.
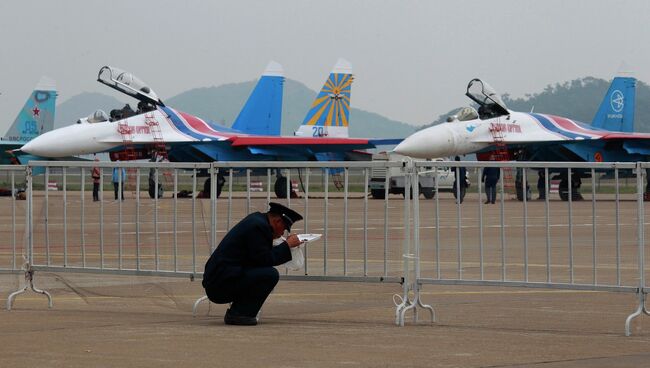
column 596, row 243
column 592, row 240
column 145, row 234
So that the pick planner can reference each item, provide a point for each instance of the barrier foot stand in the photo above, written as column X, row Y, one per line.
column 400, row 310
column 418, row 297
column 640, row 309
column 196, row 304
column 414, row 304
column 29, row 284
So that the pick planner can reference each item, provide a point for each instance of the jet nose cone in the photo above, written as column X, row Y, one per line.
column 433, row 142
column 32, row 147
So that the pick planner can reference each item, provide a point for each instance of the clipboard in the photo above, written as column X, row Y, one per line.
column 306, row 238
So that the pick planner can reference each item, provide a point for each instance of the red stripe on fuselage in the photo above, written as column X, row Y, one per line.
column 201, row 126
column 571, row 126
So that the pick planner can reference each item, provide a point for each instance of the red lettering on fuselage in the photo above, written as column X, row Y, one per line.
column 503, row 127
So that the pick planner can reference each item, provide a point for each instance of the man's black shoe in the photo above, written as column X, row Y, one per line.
column 233, row 319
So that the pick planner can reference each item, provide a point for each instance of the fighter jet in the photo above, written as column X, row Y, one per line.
column 535, row 137
column 253, row 137
column 36, row 117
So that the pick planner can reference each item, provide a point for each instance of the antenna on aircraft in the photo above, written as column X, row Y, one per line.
column 532, row 109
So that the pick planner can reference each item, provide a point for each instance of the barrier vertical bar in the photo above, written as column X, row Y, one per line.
column 268, row 186
column 101, row 218
column 326, row 204
column 137, row 219
column 230, row 176
column 547, row 216
column 406, row 252
column 47, row 216
column 480, row 222
column 214, row 182
column 386, row 178
column 503, row 229
column 306, row 222
column 120, row 199
column 593, row 225
column 525, row 195
column 156, row 242
column 175, row 220
column 641, row 308
column 83, row 219
column 289, row 187
column 365, row 221
column 194, row 220
column 570, row 202
column 437, row 223
column 13, row 219
column 618, row 229
column 345, row 222
column 29, row 218
column 248, row 190
column 65, row 218
column 459, row 243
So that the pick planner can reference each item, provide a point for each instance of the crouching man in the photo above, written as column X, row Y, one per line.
column 240, row 271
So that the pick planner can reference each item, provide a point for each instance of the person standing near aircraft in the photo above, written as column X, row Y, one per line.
column 541, row 184
column 460, row 185
column 240, row 271
column 491, row 177
column 117, row 181
column 96, row 175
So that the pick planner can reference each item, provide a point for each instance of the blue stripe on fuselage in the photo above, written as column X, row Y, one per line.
column 548, row 125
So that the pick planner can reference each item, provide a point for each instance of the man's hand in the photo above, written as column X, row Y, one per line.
column 293, row 240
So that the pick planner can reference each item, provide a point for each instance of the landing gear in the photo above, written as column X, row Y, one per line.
column 378, row 193
column 206, row 186
column 280, row 187
column 428, row 193
column 576, row 182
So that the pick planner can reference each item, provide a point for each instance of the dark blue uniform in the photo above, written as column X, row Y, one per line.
column 240, row 271
column 491, row 178
column 462, row 174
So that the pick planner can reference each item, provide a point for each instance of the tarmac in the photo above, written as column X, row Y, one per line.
column 128, row 321
column 133, row 322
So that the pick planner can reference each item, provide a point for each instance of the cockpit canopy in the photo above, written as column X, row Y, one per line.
column 98, row 116
column 464, row 114
column 490, row 104
column 129, row 84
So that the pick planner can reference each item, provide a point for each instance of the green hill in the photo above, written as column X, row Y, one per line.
column 578, row 99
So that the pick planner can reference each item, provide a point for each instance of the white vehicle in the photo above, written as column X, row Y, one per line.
column 396, row 178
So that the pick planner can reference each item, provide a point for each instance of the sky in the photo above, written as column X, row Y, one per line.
column 412, row 60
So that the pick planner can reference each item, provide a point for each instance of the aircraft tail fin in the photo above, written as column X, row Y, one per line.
column 616, row 112
column 262, row 112
column 329, row 115
column 37, row 115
